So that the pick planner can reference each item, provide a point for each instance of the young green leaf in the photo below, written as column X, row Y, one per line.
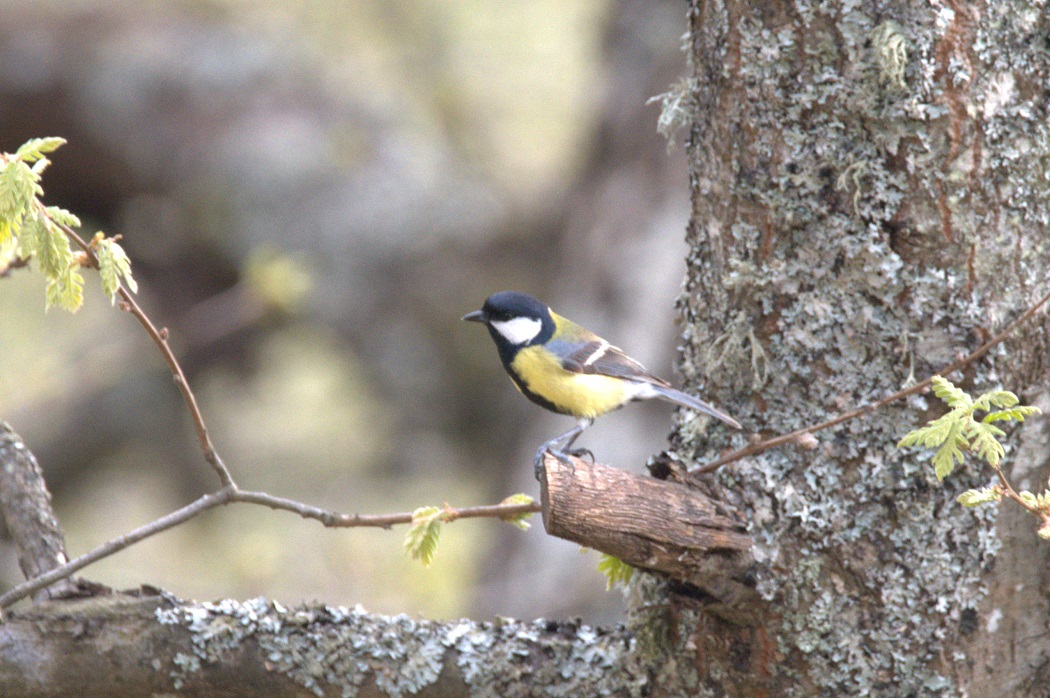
column 422, row 538
column 1043, row 500
column 958, row 431
column 113, row 266
column 950, row 452
column 47, row 245
column 932, row 435
column 1015, row 413
column 35, row 148
column 972, row 498
column 61, row 215
column 616, row 571
column 519, row 520
column 996, row 398
column 985, row 442
column 18, row 187
column 955, row 397
column 66, row 290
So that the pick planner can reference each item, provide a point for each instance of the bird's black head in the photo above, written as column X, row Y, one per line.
column 515, row 320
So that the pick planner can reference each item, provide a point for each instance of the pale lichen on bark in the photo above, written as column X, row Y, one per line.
column 870, row 230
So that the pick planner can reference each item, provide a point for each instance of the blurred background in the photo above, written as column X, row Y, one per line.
column 312, row 194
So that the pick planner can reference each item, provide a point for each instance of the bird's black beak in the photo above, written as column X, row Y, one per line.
column 476, row 316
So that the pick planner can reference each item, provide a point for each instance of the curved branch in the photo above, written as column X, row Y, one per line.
column 231, row 494
column 160, row 338
column 208, row 501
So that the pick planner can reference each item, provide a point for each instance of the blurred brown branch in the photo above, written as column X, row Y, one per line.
column 25, row 504
column 14, row 263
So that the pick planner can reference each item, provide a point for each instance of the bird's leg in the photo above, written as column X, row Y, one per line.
column 577, row 452
column 565, row 440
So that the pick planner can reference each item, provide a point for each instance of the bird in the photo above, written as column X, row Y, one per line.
column 570, row 370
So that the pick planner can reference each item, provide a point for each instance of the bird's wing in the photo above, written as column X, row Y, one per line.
column 595, row 355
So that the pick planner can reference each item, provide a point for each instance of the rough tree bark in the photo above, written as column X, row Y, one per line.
column 150, row 644
column 870, row 201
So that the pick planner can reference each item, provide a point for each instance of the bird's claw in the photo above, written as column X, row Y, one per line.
column 581, row 452
column 537, row 462
column 563, row 458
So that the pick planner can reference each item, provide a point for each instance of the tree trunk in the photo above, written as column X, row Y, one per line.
column 870, row 201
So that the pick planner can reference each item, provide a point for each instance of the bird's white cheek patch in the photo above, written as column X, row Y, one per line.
column 520, row 330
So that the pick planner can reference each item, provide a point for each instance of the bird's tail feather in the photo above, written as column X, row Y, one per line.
column 677, row 396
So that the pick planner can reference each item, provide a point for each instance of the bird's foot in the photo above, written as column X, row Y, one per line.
column 537, row 462
column 563, row 458
column 581, row 452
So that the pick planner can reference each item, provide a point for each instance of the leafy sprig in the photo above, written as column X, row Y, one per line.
column 422, row 538
column 114, row 266
column 959, row 431
column 39, row 234
column 616, row 571
column 519, row 520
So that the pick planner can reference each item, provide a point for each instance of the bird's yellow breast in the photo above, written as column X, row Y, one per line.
column 579, row 394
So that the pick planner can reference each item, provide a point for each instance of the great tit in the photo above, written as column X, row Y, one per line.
column 569, row 370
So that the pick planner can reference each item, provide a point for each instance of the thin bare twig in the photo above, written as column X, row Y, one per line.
column 160, row 338
column 333, row 520
column 208, row 501
column 1006, row 488
column 762, row 446
column 231, row 494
